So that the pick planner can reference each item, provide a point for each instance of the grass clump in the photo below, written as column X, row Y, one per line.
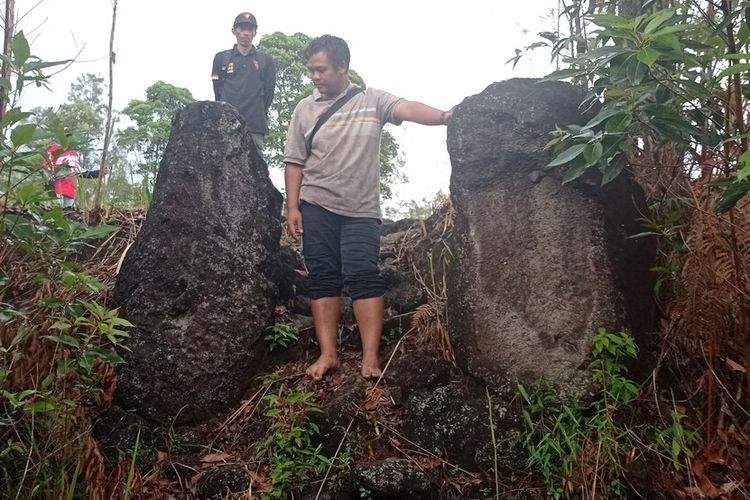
column 583, row 449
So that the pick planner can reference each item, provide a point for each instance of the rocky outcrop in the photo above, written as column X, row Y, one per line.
column 219, row 483
column 452, row 421
column 199, row 282
column 537, row 266
column 392, row 478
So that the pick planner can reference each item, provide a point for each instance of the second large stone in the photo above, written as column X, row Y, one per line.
column 198, row 282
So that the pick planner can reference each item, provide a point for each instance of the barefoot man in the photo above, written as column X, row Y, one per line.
column 332, row 179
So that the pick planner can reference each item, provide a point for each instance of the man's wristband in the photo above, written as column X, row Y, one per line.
column 442, row 118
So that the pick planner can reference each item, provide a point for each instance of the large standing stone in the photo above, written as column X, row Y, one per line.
column 538, row 266
column 198, row 282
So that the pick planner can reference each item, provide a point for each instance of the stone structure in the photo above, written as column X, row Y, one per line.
column 198, row 283
column 538, row 266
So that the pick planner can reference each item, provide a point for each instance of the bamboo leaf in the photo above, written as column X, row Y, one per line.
column 733, row 70
column 96, row 232
column 561, row 74
column 40, row 406
column 735, row 57
column 64, row 340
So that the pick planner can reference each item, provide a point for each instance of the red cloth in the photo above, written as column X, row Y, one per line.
column 65, row 179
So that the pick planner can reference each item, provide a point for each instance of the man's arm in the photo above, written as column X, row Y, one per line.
column 269, row 84
column 413, row 111
column 293, row 182
column 216, row 76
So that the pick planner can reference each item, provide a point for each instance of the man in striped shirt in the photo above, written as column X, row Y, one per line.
column 333, row 190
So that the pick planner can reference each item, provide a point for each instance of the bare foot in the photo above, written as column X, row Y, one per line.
column 371, row 368
column 317, row 370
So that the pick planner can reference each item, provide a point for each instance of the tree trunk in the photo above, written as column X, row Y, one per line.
column 10, row 9
column 108, row 124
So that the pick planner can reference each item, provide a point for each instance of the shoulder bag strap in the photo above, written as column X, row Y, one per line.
column 328, row 113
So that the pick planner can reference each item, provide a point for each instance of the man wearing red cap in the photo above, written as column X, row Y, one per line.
column 246, row 78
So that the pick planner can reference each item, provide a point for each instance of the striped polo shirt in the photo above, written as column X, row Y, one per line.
column 342, row 173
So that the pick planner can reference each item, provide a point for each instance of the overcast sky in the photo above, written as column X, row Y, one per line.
column 437, row 52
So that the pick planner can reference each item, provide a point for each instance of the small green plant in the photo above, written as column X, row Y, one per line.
column 57, row 338
column 281, row 335
column 392, row 335
column 669, row 229
column 676, row 441
column 561, row 436
column 494, row 443
column 132, row 468
column 364, row 492
column 554, row 437
column 289, row 447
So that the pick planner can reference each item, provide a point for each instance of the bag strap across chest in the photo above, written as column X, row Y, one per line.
column 328, row 113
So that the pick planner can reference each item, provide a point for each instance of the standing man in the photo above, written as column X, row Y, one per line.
column 64, row 167
column 246, row 78
column 332, row 179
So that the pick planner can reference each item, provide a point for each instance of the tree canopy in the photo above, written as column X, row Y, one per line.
column 147, row 139
column 82, row 114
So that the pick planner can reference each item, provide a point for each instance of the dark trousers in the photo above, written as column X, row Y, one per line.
column 341, row 253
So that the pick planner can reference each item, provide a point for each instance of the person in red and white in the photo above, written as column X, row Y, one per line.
column 64, row 167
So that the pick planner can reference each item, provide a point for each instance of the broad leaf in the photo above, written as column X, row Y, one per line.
column 22, row 134
column 14, row 115
column 593, row 152
column 732, row 195
column 669, row 30
column 636, row 71
column 744, row 161
column 21, row 50
column 96, row 232
column 658, row 19
column 647, row 56
column 575, row 172
column 66, row 340
column 617, row 124
column 603, row 115
column 612, row 170
column 569, row 154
